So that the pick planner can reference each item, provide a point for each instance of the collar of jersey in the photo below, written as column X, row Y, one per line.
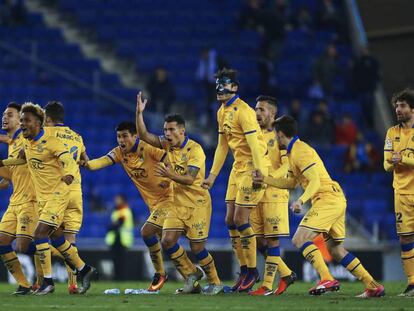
column 184, row 142
column 38, row 136
column 292, row 142
column 232, row 100
column 135, row 146
column 401, row 126
column 16, row 134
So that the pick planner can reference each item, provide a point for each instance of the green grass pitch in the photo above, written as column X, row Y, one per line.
column 296, row 298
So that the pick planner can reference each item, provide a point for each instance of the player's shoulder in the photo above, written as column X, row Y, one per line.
column 302, row 148
column 242, row 105
column 394, row 129
column 193, row 145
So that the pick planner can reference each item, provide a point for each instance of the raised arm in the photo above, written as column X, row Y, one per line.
column 97, row 164
column 140, row 124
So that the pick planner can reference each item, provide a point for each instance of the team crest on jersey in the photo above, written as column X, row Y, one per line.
column 271, row 143
column 184, row 158
column 388, row 143
column 39, row 148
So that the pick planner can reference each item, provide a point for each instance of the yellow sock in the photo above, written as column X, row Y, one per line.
column 154, row 248
column 236, row 245
column 283, row 268
column 407, row 256
column 71, row 274
column 271, row 266
column 45, row 257
column 69, row 252
column 353, row 265
column 181, row 261
column 12, row 263
column 314, row 256
column 39, row 270
column 248, row 242
column 206, row 262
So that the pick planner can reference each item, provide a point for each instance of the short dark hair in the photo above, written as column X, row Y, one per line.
column 55, row 111
column 287, row 125
column 175, row 118
column 127, row 126
column 14, row 105
column 268, row 99
column 34, row 109
column 406, row 95
column 227, row 73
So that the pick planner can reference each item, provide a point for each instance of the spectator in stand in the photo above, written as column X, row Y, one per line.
column 326, row 68
column 12, row 13
column 315, row 91
column 299, row 114
column 208, row 64
column 331, row 18
column 323, row 107
column 267, row 75
column 304, row 20
column 366, row 75
column 318, row 130
column 251, row 15
column 362, row 156
column 161, row 90
column 346, row 131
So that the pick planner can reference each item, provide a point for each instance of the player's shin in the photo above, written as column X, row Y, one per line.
column 181, row 261
column 206, row 262
column 236, row 245
column 314, row 256
column 154, row 248
column 407, row 256
column 69, row 252
column 248, row 243
column 271, row 266
column 12, row 263
column 353, row 265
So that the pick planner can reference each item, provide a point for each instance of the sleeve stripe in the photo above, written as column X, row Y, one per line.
column 112, row 159
column 388, row 149
column 250, row 132
column 193, row 166
column 64, row 152
column 308, row 167
column 221, row 132
column 163, row 157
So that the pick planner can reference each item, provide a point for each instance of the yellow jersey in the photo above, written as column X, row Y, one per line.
column 236, row 119
column 189, row 154
column 43, row 155
column 301, row 157
column 23, row 189
column 277, row 158
column 74, row 143
column 401, row 140
column 139, row 165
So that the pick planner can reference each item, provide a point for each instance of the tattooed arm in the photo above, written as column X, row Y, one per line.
column 166, row 170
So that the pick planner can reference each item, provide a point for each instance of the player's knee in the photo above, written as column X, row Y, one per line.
column 21, row 247
column 167, row 242
column 240, row 220
column 261, row 242
column 298, row 240
column 229, row 221
column 406, row 239
column 196, row 247
column 41, row 232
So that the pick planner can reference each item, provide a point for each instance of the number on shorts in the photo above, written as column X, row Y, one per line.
column 398, row 216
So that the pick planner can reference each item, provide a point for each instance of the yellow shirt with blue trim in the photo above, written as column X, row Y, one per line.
column 236, row 119
column 401, row 140
column 46, row 170
column 189, row 154
column 277, row 158
column 74, row 143
column 302, row 157
column 139, row 164
column 23, row 189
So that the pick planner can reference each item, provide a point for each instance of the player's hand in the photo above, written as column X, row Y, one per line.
column 141, row 103
column 208, row 182
column 163, row 170
column 396, row 158
column 4, row 139
column 296, row 207
column 67, row 179
column 258, row 177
